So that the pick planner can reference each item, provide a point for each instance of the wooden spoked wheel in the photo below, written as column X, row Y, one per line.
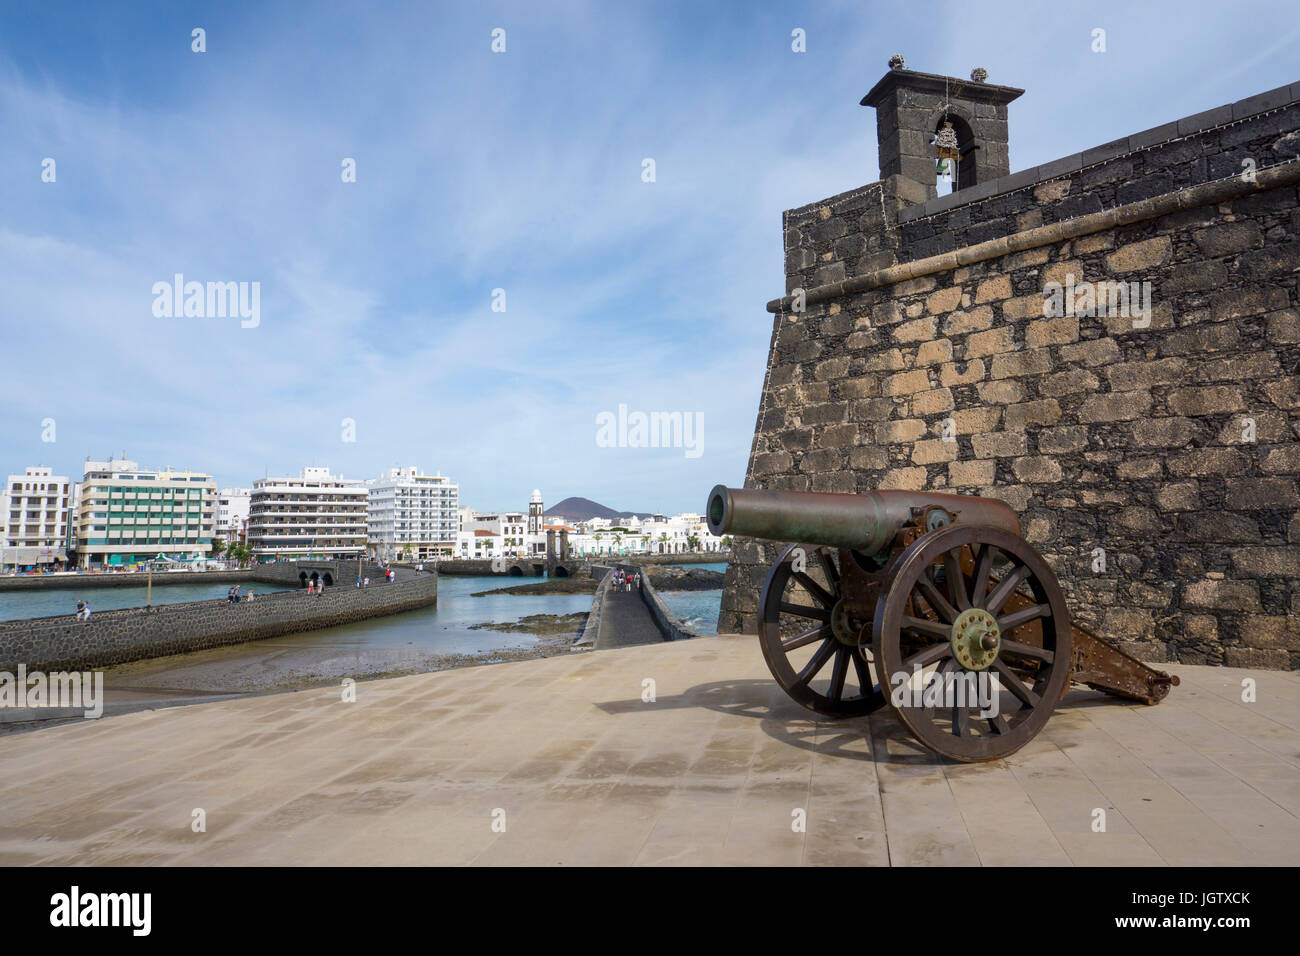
column 816, row 652
column 975, row 615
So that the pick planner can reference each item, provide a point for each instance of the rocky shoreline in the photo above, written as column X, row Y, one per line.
column 541, row 625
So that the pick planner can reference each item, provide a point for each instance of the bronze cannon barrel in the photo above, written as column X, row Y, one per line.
column 865, row 523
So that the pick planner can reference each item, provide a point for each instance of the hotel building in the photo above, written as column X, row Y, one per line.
column 127, row 514
column 34, row 518
column 314, row 515
column 232, row 513
column 410, row 514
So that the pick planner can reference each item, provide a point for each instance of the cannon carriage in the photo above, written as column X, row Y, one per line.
column 931, row 604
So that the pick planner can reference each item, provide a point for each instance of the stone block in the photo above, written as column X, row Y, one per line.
column 1017, row 364
column 1042, row 412
column 932, row 402
column 919, row 330
column 990, row 342
column 907, row 383
column 1000, row 445
column 1213, row 400
column 1222, row 595
column 969, row 320
column 961, row 373
column 1037, row 469
column 1148, row 255
column 990, row 290
column 971, row 474
column 1115, row 407
column 944, row 300
column 1051, row 332
column 1001, row 392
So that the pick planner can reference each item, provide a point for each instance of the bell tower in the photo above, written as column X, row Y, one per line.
column 536, row 522
column 911, row 111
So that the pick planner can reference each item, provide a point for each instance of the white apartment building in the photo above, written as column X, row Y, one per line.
column 493, row 534
column 412, row 515
column 504, row 534
column 678, row 534
column 232, row 513
column 35, row 518
column 127, row 514
column 314, row 515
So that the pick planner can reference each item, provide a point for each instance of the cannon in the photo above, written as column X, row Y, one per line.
column 931, row 604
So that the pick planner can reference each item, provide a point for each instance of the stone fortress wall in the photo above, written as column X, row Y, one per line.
column 924, row 359
column 116, row 637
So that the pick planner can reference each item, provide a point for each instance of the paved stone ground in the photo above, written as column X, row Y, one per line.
column 711, row 773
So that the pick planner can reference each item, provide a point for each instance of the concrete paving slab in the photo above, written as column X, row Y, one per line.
column 562, row 762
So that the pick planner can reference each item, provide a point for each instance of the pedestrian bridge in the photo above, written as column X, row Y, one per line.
column 628, row 618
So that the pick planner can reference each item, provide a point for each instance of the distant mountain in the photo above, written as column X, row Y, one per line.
column 584, row 509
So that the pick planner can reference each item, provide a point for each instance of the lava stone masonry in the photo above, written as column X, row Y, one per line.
column 1170, row 449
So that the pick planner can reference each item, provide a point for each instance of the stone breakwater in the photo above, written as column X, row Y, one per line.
column 128, row 579
column 132, row 634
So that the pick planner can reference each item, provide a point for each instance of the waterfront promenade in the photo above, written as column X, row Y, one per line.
column 563, row 761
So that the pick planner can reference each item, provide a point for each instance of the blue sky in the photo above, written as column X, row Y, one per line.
column 478, row 171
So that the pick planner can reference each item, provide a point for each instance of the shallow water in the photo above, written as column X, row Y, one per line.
column 697, row 609
column 444, row 629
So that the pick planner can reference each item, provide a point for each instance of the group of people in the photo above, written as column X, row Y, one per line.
column 234, row 597
column 83, row 611
column 316, row 586
column 626, row 580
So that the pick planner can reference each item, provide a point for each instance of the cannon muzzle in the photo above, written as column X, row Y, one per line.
column 866, row 523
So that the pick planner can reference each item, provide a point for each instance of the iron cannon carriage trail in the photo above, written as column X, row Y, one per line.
column 929, row 603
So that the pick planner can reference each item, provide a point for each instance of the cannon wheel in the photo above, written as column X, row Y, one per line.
column 803, row 628
column 967, row 600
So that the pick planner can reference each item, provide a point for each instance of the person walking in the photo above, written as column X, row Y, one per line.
column 311, row 586
column 320, row 587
